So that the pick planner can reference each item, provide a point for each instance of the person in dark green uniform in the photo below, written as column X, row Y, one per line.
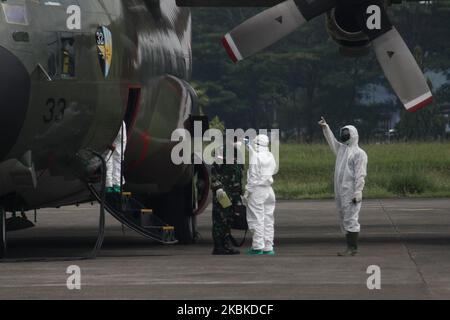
column 227, row 192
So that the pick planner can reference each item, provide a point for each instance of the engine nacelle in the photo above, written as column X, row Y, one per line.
column 344, row 30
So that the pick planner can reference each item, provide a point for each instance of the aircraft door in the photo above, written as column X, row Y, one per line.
column 133, row 103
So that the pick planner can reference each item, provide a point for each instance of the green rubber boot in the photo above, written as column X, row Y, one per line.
column 109, row 190
column 352, row 245
column 269, row 253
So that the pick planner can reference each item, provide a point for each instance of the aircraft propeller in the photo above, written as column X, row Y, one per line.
column 283, row 18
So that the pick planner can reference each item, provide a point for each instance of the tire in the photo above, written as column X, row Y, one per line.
column 175, row 209
column 2, row 233
column 184, row 229
column 181, row 217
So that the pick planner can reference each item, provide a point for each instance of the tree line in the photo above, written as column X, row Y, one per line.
column 290, row 85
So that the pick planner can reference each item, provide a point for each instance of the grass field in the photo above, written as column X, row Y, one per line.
column 395, row 170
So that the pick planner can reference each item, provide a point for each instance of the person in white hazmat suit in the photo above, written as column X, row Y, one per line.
column 349, row 181
column 260, row 197
column 114, row 161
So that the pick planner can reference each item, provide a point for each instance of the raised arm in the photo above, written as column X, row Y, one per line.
column 329, row 136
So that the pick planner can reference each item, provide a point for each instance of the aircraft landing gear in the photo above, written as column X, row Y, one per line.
column 2, row 233
column 176, row 210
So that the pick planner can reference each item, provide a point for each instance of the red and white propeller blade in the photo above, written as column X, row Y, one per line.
column 262, row 30
column 402, row 71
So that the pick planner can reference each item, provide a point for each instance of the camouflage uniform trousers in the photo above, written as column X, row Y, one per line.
column 223, row 218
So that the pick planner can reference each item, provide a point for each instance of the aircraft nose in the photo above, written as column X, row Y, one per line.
column 15, row 86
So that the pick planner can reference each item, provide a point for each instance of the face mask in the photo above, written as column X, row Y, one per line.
column 345, row 135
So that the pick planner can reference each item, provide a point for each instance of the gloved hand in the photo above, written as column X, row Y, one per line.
column 245, row 198
column 357, row 198
column 323, row 123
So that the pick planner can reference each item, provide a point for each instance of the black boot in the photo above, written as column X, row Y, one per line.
column 229, row 245
column 352, row 245
column 221, row 248
column 355, row 239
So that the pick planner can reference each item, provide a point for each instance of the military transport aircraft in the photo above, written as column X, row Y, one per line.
column 71, row 72
column 353, row 24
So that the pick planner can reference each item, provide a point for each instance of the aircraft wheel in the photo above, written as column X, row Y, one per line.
column 182, row 217
column 176, row 209
column 184, row 230
column 171, row 208
column 2, row 233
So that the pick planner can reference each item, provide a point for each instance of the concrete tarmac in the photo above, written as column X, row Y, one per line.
column 409, row 240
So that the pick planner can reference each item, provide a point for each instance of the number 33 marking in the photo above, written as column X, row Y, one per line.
column 56, row 110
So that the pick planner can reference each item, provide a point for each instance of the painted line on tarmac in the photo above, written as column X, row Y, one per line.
column 207, row 283
column 414, row 210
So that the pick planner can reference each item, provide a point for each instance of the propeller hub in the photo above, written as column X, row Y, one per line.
column 343, row 29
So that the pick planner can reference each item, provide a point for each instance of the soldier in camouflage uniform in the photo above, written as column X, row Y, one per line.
column 225, row 178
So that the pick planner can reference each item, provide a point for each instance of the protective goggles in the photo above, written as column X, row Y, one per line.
column 345, row 135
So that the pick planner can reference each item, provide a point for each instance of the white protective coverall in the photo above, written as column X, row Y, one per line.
column 261, row 198
column 349, row 178
column 115, row 158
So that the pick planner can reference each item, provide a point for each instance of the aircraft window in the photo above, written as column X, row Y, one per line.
column 53, row 56
column 61, row 55
column 15, row 14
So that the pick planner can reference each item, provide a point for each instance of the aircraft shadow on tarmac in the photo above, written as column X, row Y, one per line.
column 56, row 245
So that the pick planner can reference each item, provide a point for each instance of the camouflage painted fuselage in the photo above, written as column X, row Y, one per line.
column 58, row 99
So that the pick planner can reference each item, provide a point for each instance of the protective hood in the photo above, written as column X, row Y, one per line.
column 354, row 136
column 261, row 143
